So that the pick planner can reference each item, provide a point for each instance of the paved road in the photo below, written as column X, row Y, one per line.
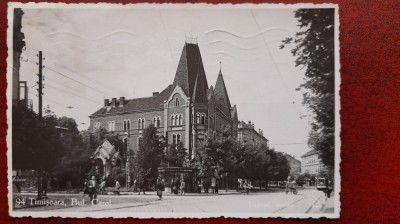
column 276, row 202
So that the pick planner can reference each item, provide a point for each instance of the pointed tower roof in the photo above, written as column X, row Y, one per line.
column 190, row 74
column 221, row 96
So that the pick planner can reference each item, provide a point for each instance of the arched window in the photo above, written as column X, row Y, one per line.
column 96, row 125
column 141, row 123
column 109, row 126
column 178, row 138
column 174, row 139
column 173, row 120
column 127, row 124
column 203, row 119
column 155, row 121
column 139, row 140
column 158, row 121
column 198, row 118
column 181, row 119
column 177, row 102
column 176, row 119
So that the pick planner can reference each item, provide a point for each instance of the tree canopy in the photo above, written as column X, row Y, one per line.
column 314, row 49
column 36, row 142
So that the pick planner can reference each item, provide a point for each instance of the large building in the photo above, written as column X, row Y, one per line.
column 248, row 135
column 311, row 163
column 295, row 165
column 187, row 111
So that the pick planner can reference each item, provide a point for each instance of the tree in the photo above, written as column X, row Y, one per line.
column 148, row 158
column 75, row 162
column 36, row 142
column 313, row 46
column 176, row 155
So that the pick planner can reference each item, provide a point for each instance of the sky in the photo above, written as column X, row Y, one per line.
column 92, row 54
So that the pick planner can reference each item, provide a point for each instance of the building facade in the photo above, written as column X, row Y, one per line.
column 295, row 165
column 187, row 111
column 248, row 135
column 311, row 163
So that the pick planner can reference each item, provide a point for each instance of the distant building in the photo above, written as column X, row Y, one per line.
column 248, row 135
column 311, row 163
column 18, row 45
column 295, row 165
column 187, row 111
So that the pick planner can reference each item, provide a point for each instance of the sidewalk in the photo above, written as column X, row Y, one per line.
column 329, row 205
column 229, row 192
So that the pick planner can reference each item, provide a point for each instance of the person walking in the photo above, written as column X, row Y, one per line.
column 160, row 187
column 117, row 187
column 92, row 189
column 134, row 185
column 102, row 186
column 329, row 189
column 216, row 186
column 142, row 186
column 182, row 187
column 85, row 188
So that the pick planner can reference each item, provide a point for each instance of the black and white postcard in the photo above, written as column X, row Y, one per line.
column 173, row 110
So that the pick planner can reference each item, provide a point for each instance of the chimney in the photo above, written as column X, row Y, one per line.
column 155, row 94
column 113, row 102
column 121, row 101
column 106, row 102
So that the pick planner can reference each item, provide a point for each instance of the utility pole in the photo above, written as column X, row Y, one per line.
column 40, row 93
column 40, row 84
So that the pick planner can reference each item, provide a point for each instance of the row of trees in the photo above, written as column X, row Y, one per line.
column 55, row 146
column 314, row 49
column 215, row 159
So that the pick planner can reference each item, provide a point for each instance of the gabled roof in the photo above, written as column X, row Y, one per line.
column 190, row 69
column 310, row 153
column 146, row 103
column 221, row 96
column 105, row 151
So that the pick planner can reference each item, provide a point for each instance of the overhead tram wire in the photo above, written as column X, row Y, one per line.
column 57, row 72
column 57, row 88
column 47, row 99
column 76, row 73
column 273, row 61
column 73, row 94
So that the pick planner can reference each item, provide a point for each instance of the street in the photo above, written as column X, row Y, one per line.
column 307, row 201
